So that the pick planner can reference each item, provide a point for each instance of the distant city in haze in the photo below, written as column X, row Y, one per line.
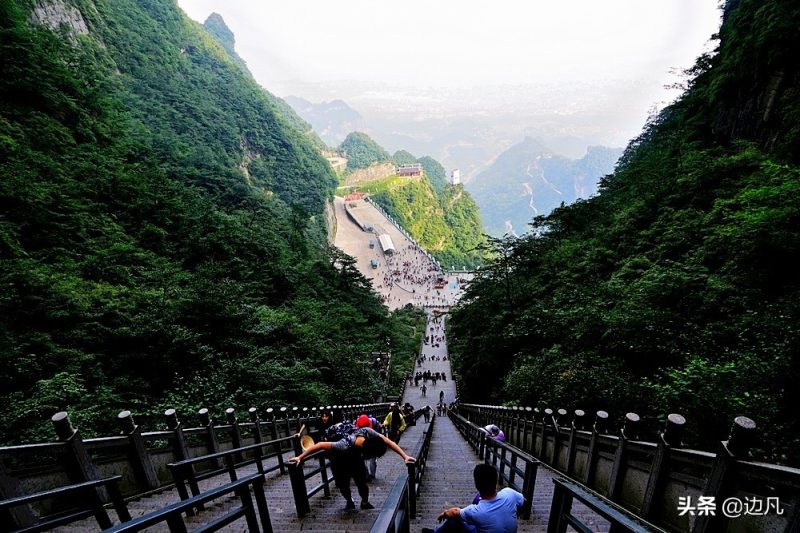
column 572, row 69
column 477, row 86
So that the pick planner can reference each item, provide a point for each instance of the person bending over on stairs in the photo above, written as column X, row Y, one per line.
column 495, row 512
column 347, row 460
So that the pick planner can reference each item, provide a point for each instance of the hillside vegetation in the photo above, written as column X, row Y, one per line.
column 161, row 237
column 676, row 288
column 443, row 218
column 361, row 151
column 529, row 179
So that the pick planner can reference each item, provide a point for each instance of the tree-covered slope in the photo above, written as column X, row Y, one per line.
column 435, row 173
column 156, row 248
column 675, row 289
column 443, row 218
column 361, row 151
column 529, row 179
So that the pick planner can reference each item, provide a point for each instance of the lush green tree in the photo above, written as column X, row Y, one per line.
column 361, row 151
column 674, row 289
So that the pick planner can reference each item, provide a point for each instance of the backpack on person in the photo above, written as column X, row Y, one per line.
column 338, row 431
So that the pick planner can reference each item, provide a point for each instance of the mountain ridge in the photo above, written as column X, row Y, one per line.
column 529, row 179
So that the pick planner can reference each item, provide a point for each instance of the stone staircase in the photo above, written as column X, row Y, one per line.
column 447, row 482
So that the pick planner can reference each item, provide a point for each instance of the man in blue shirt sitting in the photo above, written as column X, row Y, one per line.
column 496, row 512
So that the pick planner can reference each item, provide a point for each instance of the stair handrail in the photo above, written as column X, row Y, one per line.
column 401, row 502
column 510, row 461
column 92, row 499
column 183, row 472
column 172, row 514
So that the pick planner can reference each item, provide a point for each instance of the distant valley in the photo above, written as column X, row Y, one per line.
column 526, row 179
column 530, row 179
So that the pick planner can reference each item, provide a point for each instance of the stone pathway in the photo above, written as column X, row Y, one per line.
column 447, row 482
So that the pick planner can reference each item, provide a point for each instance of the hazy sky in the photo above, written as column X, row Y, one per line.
column 464, row 42
column 583, row 58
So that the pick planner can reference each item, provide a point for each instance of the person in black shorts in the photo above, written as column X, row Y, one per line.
column 347, row 460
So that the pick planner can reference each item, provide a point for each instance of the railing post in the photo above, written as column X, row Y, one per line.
column 298, row 483
column 257, row 435
column 548, row 415
column 236, row 431
column 285, row 419
column 481, row 445
column 557, row 418
column 559, row 509
column 137, row 452
column 572, row 447
column 719, row 482
column 212, row 443
column 273, row 427
column 669, row 438
column 79, row 463
column 591, row 460
column 412, row 489
column 528, row 486
column 629, row 431
column 178, row 438
column 528, row 414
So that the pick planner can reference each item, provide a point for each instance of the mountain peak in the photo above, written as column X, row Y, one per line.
column 216, row 26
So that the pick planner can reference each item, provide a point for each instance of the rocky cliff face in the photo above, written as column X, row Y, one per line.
column 58, row 15
column 758, row 97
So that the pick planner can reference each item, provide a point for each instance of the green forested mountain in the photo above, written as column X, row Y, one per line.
column 403, row 157
column 215, row 25
column 362, row 151
column 529, row 179
column 435, row 172
column 676, row 288
column 448, row 225
column 161, row 237
column 443, row 218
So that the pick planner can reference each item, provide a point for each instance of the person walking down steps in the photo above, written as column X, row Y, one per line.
column 347, row 460
column 395, row 423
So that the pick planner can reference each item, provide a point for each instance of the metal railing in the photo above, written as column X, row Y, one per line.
column 173, row 514
column 401, row 502
column 298, row 476
column 87, row 493
column 511, row 462
column 561, row 511
column 395, row 513
column 183, row 472
column 416, row 470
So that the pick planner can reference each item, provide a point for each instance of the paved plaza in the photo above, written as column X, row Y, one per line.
column 406, row 277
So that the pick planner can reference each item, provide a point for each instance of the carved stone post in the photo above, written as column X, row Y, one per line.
column 546, row 419
column 277, row 447
column 137, row 452
column 178, row 438
column 79, row 463
column 630, row 430
column 560, row 415
column 526, row 424
column 671, row 437
column 600, row 421
column 720, row 481
column 572, row 446
column 81, row 467
column 284, row 416
column 236, row 431
column 212, row 442
column 257, row 435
